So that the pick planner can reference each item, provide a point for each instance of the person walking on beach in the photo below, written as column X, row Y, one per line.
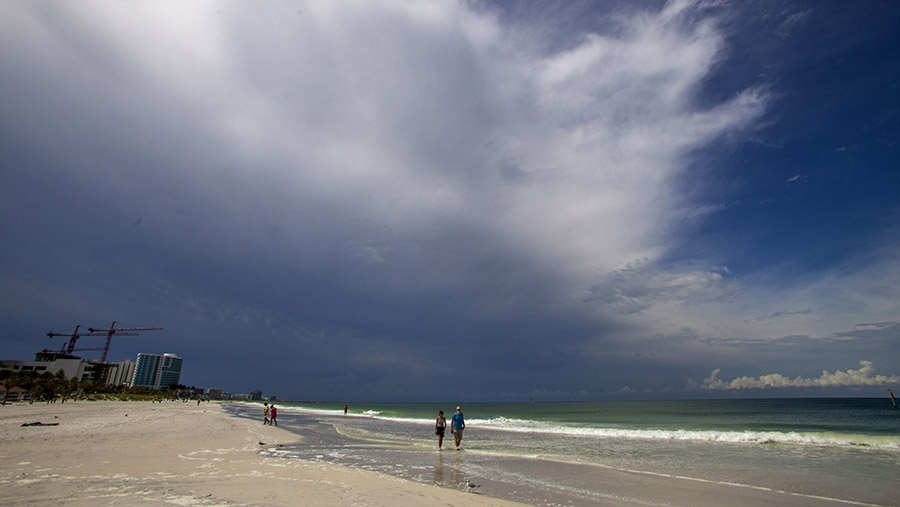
column 266, row 414
column 439, row 426
column 458, row 424
column 273, row 413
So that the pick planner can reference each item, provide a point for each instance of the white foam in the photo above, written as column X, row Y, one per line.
column 754, row 437
column 554, row 428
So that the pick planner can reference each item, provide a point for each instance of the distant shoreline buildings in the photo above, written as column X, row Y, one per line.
column 154, row 371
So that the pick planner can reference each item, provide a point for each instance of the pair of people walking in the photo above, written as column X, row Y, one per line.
column 270, row 416
column 457, row 425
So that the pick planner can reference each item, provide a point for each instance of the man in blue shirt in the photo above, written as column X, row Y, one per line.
column 457, row 426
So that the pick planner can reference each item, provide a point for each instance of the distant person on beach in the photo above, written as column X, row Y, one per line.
column 266, row 414
column 345, row 409
column 458, row 424
column 439, row 426
column 273, row 413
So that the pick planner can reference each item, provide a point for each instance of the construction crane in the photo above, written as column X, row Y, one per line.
column 69, row 347
column 125, row 331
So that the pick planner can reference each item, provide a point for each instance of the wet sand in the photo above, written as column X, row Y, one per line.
column 363, row 443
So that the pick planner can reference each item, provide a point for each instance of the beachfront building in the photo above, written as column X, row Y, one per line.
column 120, row 373
column 74, row 368
column 71, row 366
column 157, row 371
column 15, row 393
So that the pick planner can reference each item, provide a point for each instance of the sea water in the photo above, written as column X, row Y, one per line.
column 846, row 449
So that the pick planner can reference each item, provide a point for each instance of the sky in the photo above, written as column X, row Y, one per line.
column 459, row 200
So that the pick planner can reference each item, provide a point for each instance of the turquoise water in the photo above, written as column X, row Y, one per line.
column 846, row 449
column 830, row 421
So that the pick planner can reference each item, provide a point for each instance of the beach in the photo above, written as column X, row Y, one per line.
column 702, row 452
column 174, row 453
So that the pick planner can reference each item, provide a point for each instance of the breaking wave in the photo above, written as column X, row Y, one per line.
column 886, row 442
column 710, row 435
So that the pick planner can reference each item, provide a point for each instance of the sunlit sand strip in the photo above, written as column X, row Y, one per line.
column 139, row 453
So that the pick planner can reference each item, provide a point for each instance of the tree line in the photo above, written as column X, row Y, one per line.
column 51, row 387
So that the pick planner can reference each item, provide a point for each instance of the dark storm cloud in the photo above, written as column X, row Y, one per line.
column 386, row 199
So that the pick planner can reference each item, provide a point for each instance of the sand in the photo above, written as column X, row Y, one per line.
column 173, row 453
column 142, row 453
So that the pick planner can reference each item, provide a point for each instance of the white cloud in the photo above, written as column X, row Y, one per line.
column 865, row 376
column 412, row 115
column 598, row 134
column 737, row 317
column 641, row 285
column 780, row 314
column 410, row 143
column 367, row 253
column 792, row 21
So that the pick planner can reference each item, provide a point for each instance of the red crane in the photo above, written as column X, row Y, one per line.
column 73, row 337
column 125, row 331
column 69, row 347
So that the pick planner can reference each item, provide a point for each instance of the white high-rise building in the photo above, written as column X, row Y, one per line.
column 120, row 373
column 157, row 371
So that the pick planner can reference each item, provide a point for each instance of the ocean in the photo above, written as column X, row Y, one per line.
column 827, row 451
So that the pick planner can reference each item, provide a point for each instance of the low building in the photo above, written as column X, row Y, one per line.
column 236, row 396
column 16, row 393
column 71, row 366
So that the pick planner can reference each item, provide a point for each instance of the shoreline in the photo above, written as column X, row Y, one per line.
column 174, row 453
column 141, row 453
column 529, row 480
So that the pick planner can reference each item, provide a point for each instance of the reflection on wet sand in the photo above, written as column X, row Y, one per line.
column 457, row 475
column 438, row 477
